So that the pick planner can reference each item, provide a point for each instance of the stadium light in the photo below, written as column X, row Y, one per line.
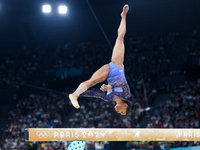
column 46, row 8
column 62, row 9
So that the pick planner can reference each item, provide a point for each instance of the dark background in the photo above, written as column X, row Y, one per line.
column 22, row 22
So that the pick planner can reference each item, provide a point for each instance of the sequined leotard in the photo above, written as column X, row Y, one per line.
column 117, row 80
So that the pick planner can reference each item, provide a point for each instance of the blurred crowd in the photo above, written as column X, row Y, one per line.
column 180, row 111
column 33, row 111
column 150, row 58
column 36, row 65
column 192, row 53
column 23, row 66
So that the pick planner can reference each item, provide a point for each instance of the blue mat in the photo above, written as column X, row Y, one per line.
column 76, row 145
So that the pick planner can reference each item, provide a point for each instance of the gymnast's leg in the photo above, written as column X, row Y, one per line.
column 99, row 76
column 119, row 50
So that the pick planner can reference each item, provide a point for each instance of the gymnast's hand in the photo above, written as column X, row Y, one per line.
column 105, row 87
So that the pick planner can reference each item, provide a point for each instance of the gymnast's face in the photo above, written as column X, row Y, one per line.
column 121, row 108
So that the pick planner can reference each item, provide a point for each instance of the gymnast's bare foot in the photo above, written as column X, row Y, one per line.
column 125, row 10
column 73, row 98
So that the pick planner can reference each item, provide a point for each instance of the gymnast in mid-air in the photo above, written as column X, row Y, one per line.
column 117, row 89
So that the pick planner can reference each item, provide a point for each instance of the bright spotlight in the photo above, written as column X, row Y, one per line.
column 62, row 9
column 46, row 8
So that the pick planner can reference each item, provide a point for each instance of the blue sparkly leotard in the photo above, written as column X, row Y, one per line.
column 117, row 80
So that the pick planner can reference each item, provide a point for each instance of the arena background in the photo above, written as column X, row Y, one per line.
column 22, row 22
column 26, row 31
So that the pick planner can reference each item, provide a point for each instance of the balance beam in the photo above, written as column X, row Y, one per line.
column 111, row 134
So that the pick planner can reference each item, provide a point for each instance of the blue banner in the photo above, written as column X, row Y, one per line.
column 64, row 73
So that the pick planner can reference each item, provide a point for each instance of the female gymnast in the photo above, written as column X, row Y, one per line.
column 117, row 88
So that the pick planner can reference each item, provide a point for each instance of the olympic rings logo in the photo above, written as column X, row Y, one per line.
column 43, row 134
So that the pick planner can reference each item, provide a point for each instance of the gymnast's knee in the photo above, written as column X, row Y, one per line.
column 120, row 38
